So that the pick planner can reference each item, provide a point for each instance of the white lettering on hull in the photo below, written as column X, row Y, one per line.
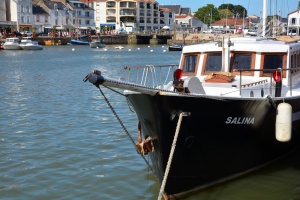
column 240, row 120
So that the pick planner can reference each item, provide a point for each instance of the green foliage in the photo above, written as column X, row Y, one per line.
column 229, row 10
column 235, row 9
column 204, row 14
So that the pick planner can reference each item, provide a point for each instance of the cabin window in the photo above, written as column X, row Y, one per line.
column 189, row 64
column 242, row 61
column 273, row 61
column 213, row 62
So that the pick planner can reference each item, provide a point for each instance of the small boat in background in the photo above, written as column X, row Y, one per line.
column 176, row 47
column 28, row 44
column 97, row 44
column 119, row 47
column 12, row 44
column 79, row 42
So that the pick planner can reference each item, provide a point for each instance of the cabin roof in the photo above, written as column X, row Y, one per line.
column 245, row 44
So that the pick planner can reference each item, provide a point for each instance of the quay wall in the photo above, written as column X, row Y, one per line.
column 187, row 39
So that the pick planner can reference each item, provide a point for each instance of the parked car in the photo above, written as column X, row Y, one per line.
column 252, row 32
column 27, row 33
column 208, row 31
column 219, row 31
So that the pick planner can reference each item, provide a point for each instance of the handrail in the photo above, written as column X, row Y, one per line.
column 149, row 72
column 271, row 72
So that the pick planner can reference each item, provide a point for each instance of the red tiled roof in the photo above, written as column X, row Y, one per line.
column 230, row 22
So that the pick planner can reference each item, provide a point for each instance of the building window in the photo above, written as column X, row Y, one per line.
column 28, row 20
column 110, row 4
column 87, row 22
column 22, row 20
column 37, row 18
column 293, row 21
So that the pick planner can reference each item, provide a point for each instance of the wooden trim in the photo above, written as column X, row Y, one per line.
column 263, row 59
column 196, row 67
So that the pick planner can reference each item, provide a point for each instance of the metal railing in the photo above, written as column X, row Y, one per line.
column 150, row 75
column 270, row 72
column 160, row 75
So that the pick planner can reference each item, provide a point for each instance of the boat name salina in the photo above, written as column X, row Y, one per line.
column 240, row 120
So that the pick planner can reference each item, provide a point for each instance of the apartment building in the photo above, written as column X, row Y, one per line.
column 131, row 16
column 21, row 13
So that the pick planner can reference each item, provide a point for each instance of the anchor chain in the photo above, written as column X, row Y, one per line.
column 124, row 128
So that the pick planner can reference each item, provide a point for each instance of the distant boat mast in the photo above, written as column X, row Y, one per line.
column 264, row 17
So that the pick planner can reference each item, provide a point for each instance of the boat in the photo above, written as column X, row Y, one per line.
column 28, row 44
column 12, row 44
column 231, row 114
column 79, row 42
column 119, row 47
column 97, row 44
column 176, row 47
column 232, row 106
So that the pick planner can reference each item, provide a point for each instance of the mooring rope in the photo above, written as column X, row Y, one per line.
column 127, row 133
column 162, row 188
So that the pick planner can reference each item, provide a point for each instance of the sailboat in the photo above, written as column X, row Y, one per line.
column 175, row 46
column 231, row 107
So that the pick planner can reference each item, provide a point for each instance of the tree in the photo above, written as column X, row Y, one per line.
column 240, row 11
column 208, row 14
column 235, row 9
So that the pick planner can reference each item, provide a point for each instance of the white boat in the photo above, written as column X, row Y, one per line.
column 12, row 44
column 231, row 107
column 119, row 47
column 96, row 44
column 28, row 44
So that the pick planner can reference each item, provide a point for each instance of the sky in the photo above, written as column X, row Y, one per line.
column 254, row 7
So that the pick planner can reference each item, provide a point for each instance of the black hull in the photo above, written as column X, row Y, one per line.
column 211, row 147
column 175, row 48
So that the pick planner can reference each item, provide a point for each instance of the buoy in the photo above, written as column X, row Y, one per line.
column 148, row 46
column 284, row 122
column 105, row 49
column 151, row 50
column 73, row 49
column 129, row 49
column 162, row 46
column 164, row 50
column 138, row 48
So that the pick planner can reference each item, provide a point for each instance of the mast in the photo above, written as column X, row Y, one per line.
column 264, row 17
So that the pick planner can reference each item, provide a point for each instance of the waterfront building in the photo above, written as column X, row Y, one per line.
column 5, row 21
column 137, row 15
column 67, row 16
column 81, row 16
column 21, row 12
column 184, row 19
column 41, row 18
column 293, row 28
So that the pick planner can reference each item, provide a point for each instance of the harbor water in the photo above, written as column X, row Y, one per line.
column 59, row 139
